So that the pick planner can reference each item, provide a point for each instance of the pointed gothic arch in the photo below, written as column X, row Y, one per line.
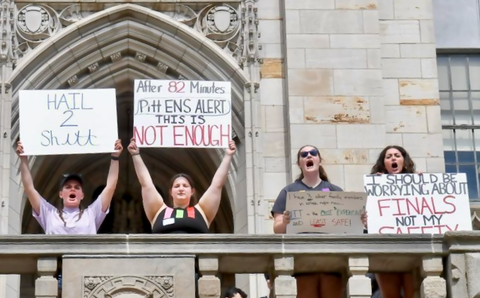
column 110, row 49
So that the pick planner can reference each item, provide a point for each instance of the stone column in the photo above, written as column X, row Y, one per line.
column 359, row 286
column 209, row 283
column 285, row 285
column 433, row 286
column 46, row 285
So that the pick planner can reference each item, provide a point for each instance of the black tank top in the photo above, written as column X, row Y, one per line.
column 180, row 221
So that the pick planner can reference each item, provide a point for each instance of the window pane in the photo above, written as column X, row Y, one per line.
column 442, row 66
column 464, row 140
column 458, row 69
column 448, row 140
column 446, row 108
column 472, row 180
column 474, row 62
column 475, row 97
column 450, row 158
column 466, row 157
column 461, row 107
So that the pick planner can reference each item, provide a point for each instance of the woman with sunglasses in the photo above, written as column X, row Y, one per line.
column 312, row 178
column 71, row 218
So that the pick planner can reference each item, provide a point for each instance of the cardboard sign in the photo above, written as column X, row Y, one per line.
column 182, row 114
column 326, row 212
column 68, row 121
column 417, row 204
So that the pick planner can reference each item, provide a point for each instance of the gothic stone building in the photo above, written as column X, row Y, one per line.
column 349, row 76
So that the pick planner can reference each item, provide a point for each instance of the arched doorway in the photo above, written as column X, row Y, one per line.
column 110, row 49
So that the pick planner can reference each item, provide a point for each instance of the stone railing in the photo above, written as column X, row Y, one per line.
column 149, row 264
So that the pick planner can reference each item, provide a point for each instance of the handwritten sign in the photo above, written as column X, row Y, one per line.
column 417, row 204
column 326, row 212
column 68, row 121
column 182, row 113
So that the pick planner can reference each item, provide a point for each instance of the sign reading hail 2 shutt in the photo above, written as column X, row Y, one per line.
column 68, row 121
column 417, row 203
column 182, row 113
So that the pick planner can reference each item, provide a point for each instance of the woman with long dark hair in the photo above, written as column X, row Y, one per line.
column 394, row 160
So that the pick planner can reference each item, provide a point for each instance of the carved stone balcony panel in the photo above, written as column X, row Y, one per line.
column 146, row 265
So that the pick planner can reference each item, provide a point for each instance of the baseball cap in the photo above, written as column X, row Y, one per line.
column 66, row 177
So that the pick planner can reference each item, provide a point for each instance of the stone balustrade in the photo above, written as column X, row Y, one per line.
column 214, row 255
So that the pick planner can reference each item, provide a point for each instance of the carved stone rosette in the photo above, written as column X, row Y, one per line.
column 129, row 286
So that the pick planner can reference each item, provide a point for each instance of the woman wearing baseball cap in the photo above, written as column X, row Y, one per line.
column 71, row 218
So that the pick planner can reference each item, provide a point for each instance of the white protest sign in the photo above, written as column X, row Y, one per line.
column 333, row 212
column 182, row 113
column 68, row 121
column 417, row 203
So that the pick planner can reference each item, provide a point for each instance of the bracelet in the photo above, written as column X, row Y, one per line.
column 133, row 154
column 114, row 157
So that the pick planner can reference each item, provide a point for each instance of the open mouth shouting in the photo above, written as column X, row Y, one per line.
column 309, row 164
column 395, row 167
column 72, row 197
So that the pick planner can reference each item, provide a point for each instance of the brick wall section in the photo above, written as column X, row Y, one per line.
column 335, row 88
column 410, row 80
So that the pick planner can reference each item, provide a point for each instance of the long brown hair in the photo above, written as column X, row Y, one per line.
column 321, row 171
column 408, row 164
column 193, row 198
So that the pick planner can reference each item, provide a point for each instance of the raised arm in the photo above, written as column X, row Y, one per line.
column 152, row 200
column 210, row 200
column 112, row 178
column 33, row 196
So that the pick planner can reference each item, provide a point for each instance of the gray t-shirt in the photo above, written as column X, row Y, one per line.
column 281, row 202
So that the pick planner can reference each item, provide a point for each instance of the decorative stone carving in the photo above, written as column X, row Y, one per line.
column 162, row 67
column 73, row 80
column 140, row 57
column 248, row 39
column 93, row 67
column 8, row 38
column 37, row 22
column 116, row 57
column 129, row 286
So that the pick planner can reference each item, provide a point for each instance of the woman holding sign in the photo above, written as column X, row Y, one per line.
column 187, row 216
column 312, row 178
column 395, row 160
column 72, row 218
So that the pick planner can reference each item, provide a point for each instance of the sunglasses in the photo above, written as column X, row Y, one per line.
column 313, row 152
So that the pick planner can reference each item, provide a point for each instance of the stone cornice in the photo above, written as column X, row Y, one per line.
column 225, row 244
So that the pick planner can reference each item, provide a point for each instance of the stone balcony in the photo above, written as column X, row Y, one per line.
column 138, row 265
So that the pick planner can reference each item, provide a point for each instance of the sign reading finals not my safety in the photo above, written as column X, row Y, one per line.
column 68, row 121
column 182, row 113
column 428, row 203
